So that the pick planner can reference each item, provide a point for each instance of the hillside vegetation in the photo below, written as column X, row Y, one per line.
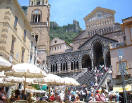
column 59, row 32
column 66, row 33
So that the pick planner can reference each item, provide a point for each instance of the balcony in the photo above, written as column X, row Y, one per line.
column 39, row 23
column 117, row 45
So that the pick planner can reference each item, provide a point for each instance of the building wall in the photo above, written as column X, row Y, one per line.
column 128, row 32
column 99, row 18
column 124, row 50
column 10, row 9
column 58, row 46
column 126, row 58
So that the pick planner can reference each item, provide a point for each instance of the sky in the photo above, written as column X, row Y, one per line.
column 65, row 11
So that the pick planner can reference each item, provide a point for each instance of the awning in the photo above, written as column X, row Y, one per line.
column 128, row 88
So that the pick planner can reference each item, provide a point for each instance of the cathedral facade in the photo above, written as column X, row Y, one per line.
column 91, row 47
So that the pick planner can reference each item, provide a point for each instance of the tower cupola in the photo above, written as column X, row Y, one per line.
column 38, row 2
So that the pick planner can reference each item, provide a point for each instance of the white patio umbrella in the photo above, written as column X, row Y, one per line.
column 2, row 74
column 75, row 83
column 3, row 83
column 5, row 65
column 50, row 79
column 27, row 71
column 35, row 91
column 14, row 79
column 67, row 81
column 71, row 81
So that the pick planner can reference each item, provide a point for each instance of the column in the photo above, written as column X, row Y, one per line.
column 104, row 55
column 69, row 66
column 80, row 64
column 74, row 65
column 41, row 2
column 59, row 67
column 92, row 58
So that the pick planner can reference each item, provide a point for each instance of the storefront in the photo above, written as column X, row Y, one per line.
column 128, row 89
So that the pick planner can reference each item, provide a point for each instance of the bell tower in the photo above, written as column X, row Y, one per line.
column 38, row 15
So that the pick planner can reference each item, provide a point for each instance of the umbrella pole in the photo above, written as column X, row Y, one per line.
column 25, row 83
column 49, row 91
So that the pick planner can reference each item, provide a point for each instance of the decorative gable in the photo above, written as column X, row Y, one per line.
column 56, row 41
column 98, row 12
column 96, row 38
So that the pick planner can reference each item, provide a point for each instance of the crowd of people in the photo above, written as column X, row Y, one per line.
column 67, row 95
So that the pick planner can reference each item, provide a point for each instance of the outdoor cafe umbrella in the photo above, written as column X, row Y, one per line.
column 74, row 82
column 5, row 65
column 27, row 71
column 50, row 79
column 5, row 84
column 19, row 80
column 71, row 82
column 2, row 74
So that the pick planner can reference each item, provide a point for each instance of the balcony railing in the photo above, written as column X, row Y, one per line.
column 117, row 45
column 39, row 23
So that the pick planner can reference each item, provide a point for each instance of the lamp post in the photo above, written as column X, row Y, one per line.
column 122, row 71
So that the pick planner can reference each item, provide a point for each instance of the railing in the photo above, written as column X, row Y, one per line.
column 102, row 80
column 116, row 45
column 39, row 23
column 87, row 78
column 80, row 74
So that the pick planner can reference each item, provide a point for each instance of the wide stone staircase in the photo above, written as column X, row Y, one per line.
column 87, row 77
column 78, row 75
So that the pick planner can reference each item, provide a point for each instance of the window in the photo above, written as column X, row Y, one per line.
column 55, row 41
column 122, row 66
column 36, row 38
column 15, row 22
column 12, row 45
column 33, row 36
column 61, row 66
column 22, row 57
column 43, row 2
column 25, row 33
column 46, row 2
column 31, row 56
column 64, row 67
column 32, row 3
column 38, row 2
column 56, row 68
column 71, row 65
column 36, row 16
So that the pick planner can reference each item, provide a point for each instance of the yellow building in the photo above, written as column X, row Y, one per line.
column 121, row 60
column 15, row 33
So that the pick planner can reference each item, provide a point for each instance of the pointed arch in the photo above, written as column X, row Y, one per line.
column 86, row 61
column 98, row 53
